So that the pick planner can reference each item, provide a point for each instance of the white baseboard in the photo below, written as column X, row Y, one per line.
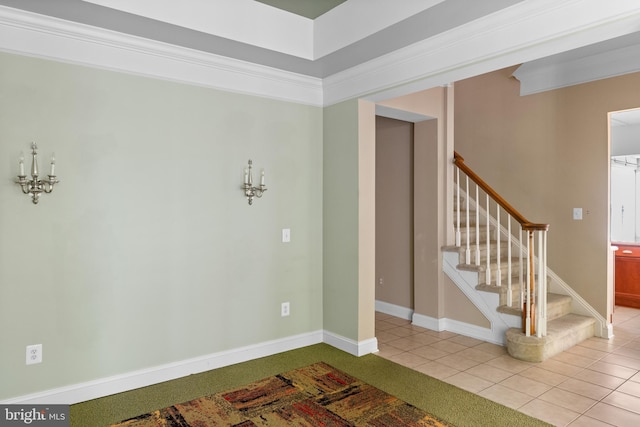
column 429, row 322
column 444, row 324
column 145, row 377
column 462, row 328
column 394, row 310
column 356, row 348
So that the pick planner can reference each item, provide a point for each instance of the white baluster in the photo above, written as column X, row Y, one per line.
column 467, row 254
column 477, row 228
column 509, row 265
column 498, row 236
column 458, row 243
column 488, row 271
column 528, row 291
column 544, row 278
column 539, row 293
column 541, row 329
column 521, row 266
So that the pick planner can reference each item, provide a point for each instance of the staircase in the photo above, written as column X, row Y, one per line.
column 490, row 264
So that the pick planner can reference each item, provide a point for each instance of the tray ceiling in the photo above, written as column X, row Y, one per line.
column 350, row 32
column 336, row 49
column 308, row 8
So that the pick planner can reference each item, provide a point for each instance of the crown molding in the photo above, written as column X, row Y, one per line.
column 526, row 31
column 45, row 37
column 544, row 75
column 523, row 32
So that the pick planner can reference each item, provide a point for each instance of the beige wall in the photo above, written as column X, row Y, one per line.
column 429, row 291
column 394, row 212
column 434, row 294
column 458, row 307
column 366, row 220
column 428, row 275
column 546, row 154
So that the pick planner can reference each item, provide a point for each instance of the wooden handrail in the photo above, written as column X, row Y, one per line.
column 458, row 160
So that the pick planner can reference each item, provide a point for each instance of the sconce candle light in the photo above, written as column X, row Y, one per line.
column 249, row 190
column 35, row 186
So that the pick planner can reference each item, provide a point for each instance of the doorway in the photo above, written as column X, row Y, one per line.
column 394, row 217
column 624, row 176
column 624, row 205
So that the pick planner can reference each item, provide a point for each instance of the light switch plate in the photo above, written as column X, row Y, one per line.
column 577, row 213
column 286, row 235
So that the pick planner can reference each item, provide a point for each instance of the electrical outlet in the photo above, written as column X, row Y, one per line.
column 34, row 354
column 284, row 309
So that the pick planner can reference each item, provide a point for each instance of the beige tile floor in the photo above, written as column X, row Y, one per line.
column 595, row 383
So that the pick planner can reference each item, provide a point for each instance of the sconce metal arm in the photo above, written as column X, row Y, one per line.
column 35, row 186
column 249, row 190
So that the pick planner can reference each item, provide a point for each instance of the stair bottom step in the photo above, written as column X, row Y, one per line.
column 562, row 333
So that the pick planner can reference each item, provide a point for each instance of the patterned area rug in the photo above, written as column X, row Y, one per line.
column 316, row 395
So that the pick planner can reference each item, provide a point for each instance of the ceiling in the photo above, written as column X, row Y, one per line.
column 625, row 145
column 308, row 8
column 277, row 33
column 626, row 118
column 324, row 51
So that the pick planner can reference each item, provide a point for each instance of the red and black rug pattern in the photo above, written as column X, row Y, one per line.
column 316, row 395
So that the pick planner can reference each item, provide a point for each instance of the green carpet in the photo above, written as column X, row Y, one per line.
column 443, row 400
column 316, row 395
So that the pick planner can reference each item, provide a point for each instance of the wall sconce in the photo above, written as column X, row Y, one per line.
column 35, row 186
column 249, row 190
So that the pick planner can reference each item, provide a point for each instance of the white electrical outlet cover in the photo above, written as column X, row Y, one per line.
column 34, row 354
column 285, row 309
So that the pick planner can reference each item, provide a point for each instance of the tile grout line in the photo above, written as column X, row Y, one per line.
column 630, row 339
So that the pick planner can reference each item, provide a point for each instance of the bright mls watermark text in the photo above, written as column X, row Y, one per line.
column 34, row 415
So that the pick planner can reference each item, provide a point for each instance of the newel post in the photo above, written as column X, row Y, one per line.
column 528, row 309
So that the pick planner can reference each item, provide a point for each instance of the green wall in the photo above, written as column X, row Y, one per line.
column 147, row 253
column 340, row 219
